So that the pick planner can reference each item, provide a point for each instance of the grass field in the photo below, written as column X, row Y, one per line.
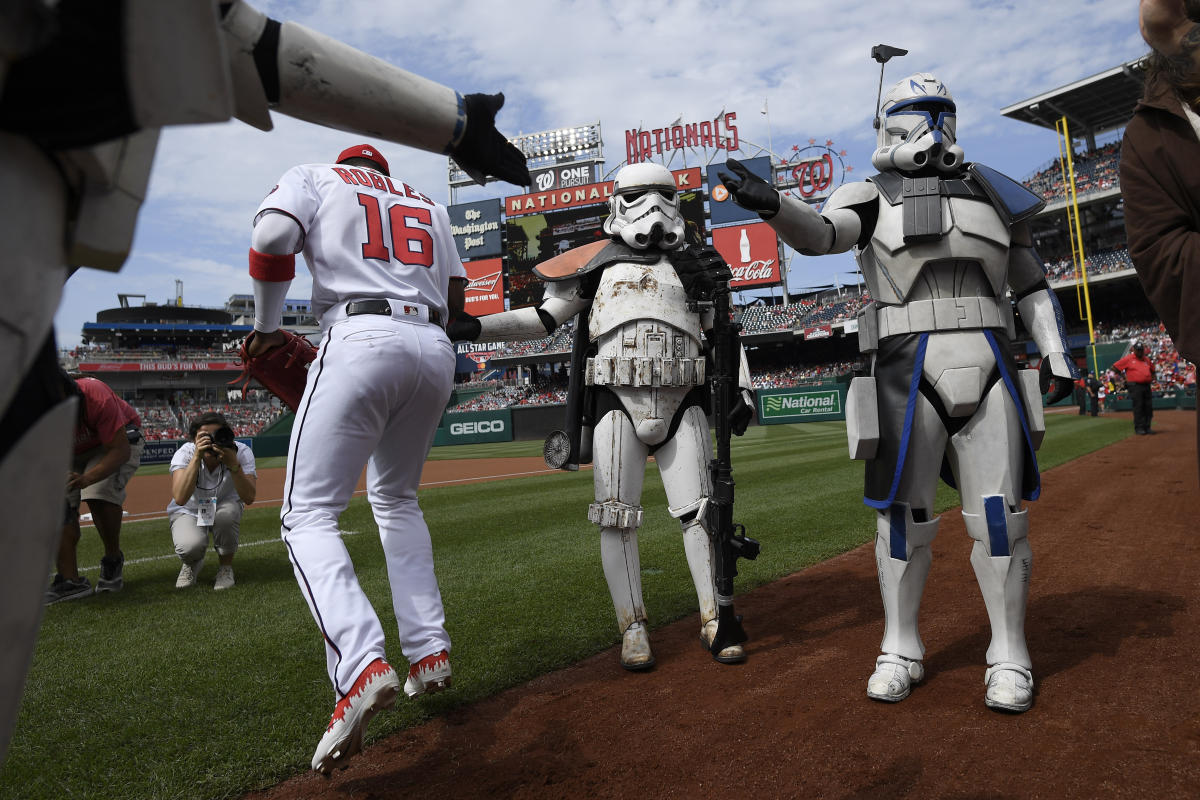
column 159, row 693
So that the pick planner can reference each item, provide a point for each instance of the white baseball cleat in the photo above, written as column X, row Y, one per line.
column 1009, row 687
column 375, row 689
column 635, row 648
column 430, row 674
column 893, row 678
column 733, row 654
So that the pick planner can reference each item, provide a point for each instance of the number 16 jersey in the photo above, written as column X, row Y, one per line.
column 367, row 235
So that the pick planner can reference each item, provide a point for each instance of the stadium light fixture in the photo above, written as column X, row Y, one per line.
column 581, row 143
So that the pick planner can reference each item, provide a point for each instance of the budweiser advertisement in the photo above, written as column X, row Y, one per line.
column 751, row 251
column 485, row 289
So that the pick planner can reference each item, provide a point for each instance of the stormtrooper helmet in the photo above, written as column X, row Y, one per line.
column 917, row 128
column 644, row 208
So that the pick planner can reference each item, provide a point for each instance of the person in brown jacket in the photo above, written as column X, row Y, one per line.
column 1160, row 171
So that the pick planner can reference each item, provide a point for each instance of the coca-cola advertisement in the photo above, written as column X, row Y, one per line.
column 485, row 286
column 752, row 252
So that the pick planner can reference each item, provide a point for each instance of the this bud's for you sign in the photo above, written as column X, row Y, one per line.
column 751, row 251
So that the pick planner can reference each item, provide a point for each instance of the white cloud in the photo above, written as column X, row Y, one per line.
column 623, row 63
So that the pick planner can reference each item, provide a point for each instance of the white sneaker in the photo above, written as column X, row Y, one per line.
column 893, row 678
column 375, row 689
column 188, row 574
column 1009, row 687
column 224, row 578
column 733, row 654
column 635, row 648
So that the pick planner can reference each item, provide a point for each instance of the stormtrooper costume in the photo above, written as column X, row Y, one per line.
column 647, row 376
column 940, row 242
column 85, row 88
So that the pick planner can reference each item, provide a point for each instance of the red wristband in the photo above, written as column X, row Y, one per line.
column 274, row 269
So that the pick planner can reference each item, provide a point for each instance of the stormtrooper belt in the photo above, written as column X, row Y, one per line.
column 643, row 371
column 943, row 314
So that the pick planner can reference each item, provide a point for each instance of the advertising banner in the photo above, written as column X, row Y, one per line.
column 563, row 176
column 721, row 208
column 476, row 228
column 474, row 427
column 818, row 332
column 474, row 356
column 161, row 452
column 751, row 251
column 485, row 287
column 686, row 180
column 801, row 404
column 534, row 238
column 161, row 366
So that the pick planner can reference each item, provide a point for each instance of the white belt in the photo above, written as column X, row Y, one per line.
column 403, row 310
column 943, row 314
column 644, row 371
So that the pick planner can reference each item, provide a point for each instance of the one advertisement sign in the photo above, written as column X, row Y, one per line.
column 474, row 427
column 801, row 404
column 818, row 332
column 566, row 176
column 686, row 180
column 751, row 251
column 476, row 228
column 721, row 208
column 534, row 238
column 485, row 286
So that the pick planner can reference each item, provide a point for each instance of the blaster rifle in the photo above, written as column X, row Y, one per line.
column 730, row 537
column 568, row 449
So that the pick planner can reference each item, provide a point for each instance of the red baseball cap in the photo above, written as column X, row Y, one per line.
column 367, row 151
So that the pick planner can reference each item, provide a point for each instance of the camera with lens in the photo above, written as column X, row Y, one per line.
column 223, row 437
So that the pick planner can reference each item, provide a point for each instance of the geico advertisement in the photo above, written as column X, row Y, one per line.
column 474, row 427
column 800, row 405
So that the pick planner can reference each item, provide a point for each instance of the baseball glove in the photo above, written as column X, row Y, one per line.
column 282, row 370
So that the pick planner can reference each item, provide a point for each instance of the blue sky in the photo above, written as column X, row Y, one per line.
column 626, row 65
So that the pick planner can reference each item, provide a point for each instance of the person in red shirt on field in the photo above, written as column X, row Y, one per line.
column 1139, row 374
column 108, row 450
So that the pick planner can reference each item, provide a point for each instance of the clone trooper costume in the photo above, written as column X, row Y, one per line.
column 85, row 86
column 646, row 375
column 940, row 242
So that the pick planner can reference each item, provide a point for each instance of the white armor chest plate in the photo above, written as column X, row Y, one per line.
column 629, row 292
column 972, row 231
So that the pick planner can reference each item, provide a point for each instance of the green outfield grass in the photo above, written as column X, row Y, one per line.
column 159, row 693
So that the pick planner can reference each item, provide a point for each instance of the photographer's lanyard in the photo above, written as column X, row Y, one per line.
column 206, row 497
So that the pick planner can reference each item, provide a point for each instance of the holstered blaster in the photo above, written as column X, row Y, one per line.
column 568, row 449
column 730, row 537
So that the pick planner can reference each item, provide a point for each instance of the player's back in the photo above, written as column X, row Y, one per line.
column 368, row 235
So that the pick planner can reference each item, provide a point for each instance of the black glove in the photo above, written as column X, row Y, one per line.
column 1057, row 387
column 750, row 191
column 742, row 413
column 484, row 151
column 701, row 270
column 463, row 328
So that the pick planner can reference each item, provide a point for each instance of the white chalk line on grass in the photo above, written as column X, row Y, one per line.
column 172, row 557
column 150, row 516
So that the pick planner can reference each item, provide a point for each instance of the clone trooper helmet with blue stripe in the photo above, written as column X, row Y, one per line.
column 917, row 125
column 644, row 208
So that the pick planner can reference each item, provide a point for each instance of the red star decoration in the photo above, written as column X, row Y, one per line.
column 841, row 152
column 829, row 142
column 850, row 168
column 795, row 148
column 812, row 141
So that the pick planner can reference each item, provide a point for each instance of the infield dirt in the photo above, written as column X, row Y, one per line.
column 1113, row 626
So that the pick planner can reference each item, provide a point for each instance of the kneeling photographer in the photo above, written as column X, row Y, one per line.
column 212, row 479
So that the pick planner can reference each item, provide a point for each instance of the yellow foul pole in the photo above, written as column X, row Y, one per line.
column 1077, row 242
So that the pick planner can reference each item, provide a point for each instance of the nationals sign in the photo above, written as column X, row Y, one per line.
column 485, row 287
column 751, row 251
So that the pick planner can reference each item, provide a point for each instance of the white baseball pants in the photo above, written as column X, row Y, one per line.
column 374, row 396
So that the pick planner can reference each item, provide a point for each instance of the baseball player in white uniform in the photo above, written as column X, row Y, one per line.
column 386, row 275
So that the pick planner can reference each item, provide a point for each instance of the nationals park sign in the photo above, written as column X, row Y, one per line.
column 801, row 404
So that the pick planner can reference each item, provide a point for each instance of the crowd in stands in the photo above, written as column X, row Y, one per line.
column 1097, row 264
column 1095, row 171
column 1172, row 372
column 798, row 374
column 162, row 421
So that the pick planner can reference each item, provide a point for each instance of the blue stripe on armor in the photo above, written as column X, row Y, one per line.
column 1016, row 396
column 918, row 369
column 993, row 511
column 898, row 541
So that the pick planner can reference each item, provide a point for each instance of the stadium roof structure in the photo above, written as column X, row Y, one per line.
column 1093, row 105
